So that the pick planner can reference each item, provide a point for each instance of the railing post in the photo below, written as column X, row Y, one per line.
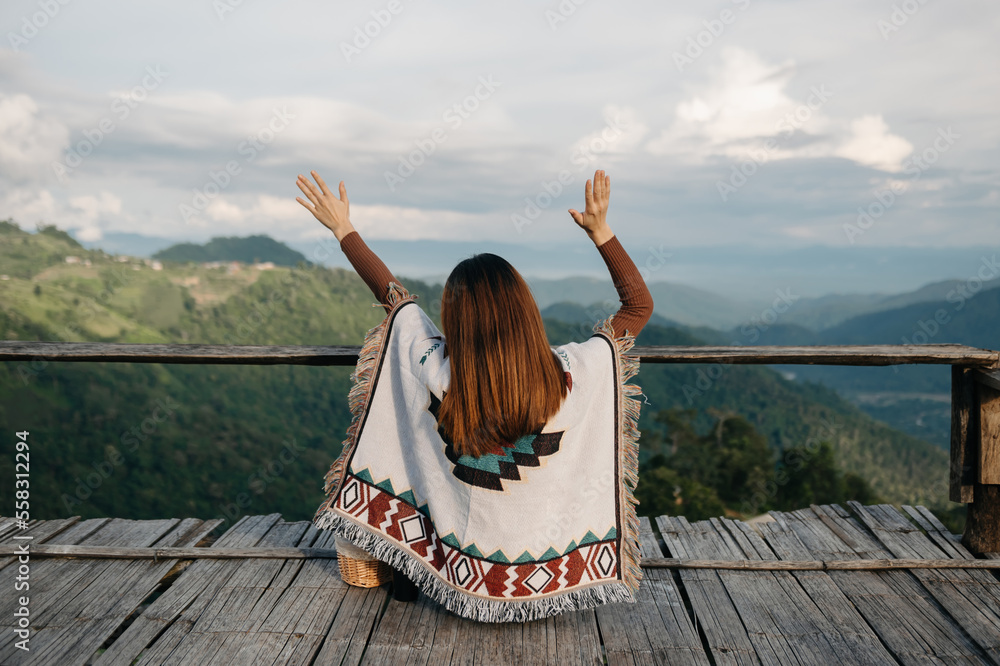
column 982, row 523
column 963, row 437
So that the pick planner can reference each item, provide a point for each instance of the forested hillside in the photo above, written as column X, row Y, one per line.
column 144, row 441
column 252, row 249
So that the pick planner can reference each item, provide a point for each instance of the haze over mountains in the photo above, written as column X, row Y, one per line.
column 717, row 287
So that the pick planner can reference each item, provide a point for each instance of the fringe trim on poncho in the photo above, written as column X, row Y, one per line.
column 455, row 600
column 358, row 396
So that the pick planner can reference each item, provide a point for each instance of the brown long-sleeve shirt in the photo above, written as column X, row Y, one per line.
column 636, row 302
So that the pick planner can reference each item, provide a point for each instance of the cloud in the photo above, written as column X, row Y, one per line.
column 87, row 214
column 744, row 111
column 29, row 142
column 93, row 207
column 223, row 211
column 871, row 144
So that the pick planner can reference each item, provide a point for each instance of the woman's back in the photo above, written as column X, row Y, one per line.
column 542, row 518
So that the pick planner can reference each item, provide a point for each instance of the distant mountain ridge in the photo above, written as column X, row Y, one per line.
column 251, row 249
column 717, row 286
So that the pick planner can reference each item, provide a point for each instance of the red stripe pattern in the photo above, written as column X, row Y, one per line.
column 398, row 521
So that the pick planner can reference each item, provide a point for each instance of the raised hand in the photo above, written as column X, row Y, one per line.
column 328, row 208
column 593, row 219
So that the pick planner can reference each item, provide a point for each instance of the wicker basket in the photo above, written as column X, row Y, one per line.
column 359, row 568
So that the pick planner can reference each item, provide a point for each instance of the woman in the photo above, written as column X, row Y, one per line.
column 498, row 395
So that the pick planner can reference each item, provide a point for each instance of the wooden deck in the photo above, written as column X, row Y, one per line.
column 91, row 610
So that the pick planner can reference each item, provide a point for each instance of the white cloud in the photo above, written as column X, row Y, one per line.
column 745, row 111
column 871, row 144
column 223, row 211
column 93, row 207
column 278, row 208
column 621, row 134
column 29, row 141
column 29, row 207
column 93, row 211
column 405, row 223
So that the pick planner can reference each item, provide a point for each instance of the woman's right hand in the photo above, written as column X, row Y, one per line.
column 327, row 207
column 593, row 220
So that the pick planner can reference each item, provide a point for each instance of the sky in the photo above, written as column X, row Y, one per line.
column 768, row 124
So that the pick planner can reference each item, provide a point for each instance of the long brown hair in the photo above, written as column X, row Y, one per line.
column 506, row 381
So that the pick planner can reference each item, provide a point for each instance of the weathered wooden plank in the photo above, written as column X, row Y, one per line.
column 949, row 543
column 982, row 522
column 279, row 622
column 168, row 552
column 40, row 531
column 217, row 634
column 988, row 377
column 964, row 439
column 907, row 620
column 713, row 608
column 348, row 633
column 852, row 629
column 938, row 528
column 655, row 629
column 781, row 608
column 12, row 350
column 162, row 625
column 117, row 592
column 971, row 597
column 305, row 610
column 8, row 525
column 254, row 590
column 15, row 350
column 73, row 593
column 538, row 644
column 405, row 632
column 989, row 438
column 577, row 638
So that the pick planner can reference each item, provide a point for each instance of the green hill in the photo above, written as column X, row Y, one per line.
column 252, row 249
column 163, row 440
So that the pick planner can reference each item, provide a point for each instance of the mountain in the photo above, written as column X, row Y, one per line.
column 584, row 316
column 160, row 440
column 719, row 286
column 828, row 311
column 912, row 398
column 252, row 249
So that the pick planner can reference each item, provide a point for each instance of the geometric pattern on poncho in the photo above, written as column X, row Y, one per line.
column 355, row 493
column 593, row 562
column 490, row 469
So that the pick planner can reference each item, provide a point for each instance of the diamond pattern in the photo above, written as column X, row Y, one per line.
column 538, row 579
column 413, row 528
column 351, row 495
column 606, row 561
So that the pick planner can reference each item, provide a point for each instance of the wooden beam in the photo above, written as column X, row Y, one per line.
column 988, row 377
column 961, row 474
column 989, row 434
column 290, row 553
column 864, row 355
column 982, row 521
column 165, row 553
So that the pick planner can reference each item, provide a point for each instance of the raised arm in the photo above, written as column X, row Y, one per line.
column 636, row 301
column 367, row 264
column 334, row 213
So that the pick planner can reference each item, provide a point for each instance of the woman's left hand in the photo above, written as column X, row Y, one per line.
column 328, row 208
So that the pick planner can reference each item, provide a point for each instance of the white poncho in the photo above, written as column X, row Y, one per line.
column 546, row 527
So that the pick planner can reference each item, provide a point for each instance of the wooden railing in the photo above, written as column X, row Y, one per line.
column 975, row 392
